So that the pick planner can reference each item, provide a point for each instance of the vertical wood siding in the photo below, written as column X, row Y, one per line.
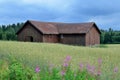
column 92, row 37
column 74, row 39
column 50, row 38
column 30, row 31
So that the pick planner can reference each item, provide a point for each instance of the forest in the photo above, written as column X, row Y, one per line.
column 8, row 32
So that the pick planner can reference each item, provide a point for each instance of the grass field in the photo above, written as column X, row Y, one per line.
column 41, row 54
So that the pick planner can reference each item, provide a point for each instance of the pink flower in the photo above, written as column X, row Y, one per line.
column 81, row 66
column 91, row 69
column 65, row 64
column 37, row 69
column 88, row 67
column 115, row 69
column 68, row 58
column 62, row 73
column 67, row 61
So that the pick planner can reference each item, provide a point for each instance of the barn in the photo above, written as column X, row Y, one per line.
column 84, row 34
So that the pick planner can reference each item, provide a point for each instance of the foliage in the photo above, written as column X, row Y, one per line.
column 8, row 32
column 110, row 36
column 33, row 54
column 16, row 70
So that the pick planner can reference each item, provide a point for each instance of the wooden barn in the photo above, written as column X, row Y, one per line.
column 84, row 34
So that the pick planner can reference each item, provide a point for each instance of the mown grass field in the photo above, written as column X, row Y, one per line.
column 41, row 54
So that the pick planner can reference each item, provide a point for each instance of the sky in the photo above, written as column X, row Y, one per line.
column 105, row 13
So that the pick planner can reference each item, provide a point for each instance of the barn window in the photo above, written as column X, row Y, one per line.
column 61, row 36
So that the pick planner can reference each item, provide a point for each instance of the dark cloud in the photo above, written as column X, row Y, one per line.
column 96, row 8
column 105, row 13
column 26, row 12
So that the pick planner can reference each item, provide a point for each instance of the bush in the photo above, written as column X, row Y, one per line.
column 14, row 70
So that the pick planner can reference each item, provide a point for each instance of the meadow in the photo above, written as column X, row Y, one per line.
column 45, row 54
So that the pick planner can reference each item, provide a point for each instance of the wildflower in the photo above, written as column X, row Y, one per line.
column 68, row 58
column 91, row 69
column 81, row 66
column 115, row 69
column 88, row 67
column 65, row 64
column 99, row 66
column 66, row 61
column 62, row 72
column 37, row 69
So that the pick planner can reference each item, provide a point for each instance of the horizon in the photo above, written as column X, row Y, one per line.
column 61, row 22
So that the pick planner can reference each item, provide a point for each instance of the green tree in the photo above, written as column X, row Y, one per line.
column 1, row 33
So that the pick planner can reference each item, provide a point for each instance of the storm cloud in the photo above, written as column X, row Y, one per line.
column 105, row 13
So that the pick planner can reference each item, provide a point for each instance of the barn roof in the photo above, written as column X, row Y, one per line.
column 61, row 28
column 45, row 27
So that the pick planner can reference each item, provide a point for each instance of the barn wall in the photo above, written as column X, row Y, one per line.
column 50, row 38
column 74, row 39
column 29, row 31
column 92, row 37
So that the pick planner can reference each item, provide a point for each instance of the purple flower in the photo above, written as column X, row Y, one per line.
column 62, row 73
column 37, row 69
column 68, row 58
column 91, row 69
column 81, row 66
column 115, row 69
column 66, row 61
column 65, row 64
column 88, row 67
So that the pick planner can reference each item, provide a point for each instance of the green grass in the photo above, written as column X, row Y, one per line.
column 33, row 54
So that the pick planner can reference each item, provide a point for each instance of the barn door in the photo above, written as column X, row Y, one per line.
column 29, row 38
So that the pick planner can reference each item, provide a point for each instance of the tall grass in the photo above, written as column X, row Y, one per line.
column 33, row 54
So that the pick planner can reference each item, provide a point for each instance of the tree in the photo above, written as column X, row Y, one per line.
column 8, row 32
column 1, row 33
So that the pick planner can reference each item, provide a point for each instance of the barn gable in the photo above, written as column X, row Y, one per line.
column 67, row 33
column 29, row 33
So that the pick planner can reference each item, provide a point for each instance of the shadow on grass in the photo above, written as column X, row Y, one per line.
column 100, row 46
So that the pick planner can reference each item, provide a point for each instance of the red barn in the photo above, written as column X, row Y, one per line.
column 84, row 34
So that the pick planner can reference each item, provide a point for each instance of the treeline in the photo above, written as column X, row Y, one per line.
column 8, row 32
column 110, row 36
